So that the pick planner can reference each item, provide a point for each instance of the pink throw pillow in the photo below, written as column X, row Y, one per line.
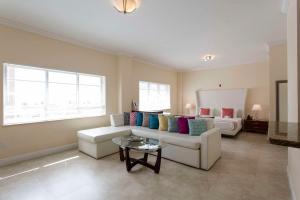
column 227, row 112
column 133, row 118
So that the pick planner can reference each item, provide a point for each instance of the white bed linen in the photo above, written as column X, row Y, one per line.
column 228, row 126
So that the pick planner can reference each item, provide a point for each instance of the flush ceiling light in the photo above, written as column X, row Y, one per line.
column 207, row 58
column 126, row 6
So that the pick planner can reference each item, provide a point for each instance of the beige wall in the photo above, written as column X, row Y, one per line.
column 292, row 51
column 122, row 75
column 278, row 71
column 254, row 77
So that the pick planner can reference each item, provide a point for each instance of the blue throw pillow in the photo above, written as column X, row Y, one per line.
column 139, row 119
column 172, row 124
column 197, row 127
column 153, row 121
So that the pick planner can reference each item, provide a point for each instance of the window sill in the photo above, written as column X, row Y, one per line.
column 54, row 120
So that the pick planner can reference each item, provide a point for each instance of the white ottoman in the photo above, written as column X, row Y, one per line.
column 98, row 143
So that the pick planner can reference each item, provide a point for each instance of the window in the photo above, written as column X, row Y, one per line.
column 35, row 94
column 154, row 96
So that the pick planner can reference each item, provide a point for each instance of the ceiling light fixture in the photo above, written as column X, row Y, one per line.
column 126, row 6
column 207, row 58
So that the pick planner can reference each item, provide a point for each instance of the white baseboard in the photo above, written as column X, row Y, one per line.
column 36, row 154
column 293, row 195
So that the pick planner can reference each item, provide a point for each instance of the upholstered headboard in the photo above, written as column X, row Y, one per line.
column 218, row 99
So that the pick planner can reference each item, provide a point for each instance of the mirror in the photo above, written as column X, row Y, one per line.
column 282, row 101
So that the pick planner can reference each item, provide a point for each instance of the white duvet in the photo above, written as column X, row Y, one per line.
column 229, row 124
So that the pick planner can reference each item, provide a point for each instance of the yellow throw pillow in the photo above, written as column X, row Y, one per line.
column 163, row 123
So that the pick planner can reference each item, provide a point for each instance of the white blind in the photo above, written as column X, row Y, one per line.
column 154, row 96
column 36, row 94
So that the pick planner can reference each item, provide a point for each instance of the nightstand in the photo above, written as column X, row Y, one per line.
column 257, row 126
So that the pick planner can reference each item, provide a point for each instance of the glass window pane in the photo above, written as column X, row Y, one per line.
column 89, row 80
column 20, row 73
column 62, row 77
column 25, row 102
column 62, row 95
column 153, row 96
column 90, row 96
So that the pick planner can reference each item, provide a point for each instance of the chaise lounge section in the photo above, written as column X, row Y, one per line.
column 196, row 151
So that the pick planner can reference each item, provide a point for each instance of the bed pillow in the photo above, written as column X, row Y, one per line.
column 163, row 122
column 145, row 119
column 153, row 121
column 132, row 118
column 197, row 127
column 139, row 118
column 172, row 124
column 227, row 112
column 205, row 111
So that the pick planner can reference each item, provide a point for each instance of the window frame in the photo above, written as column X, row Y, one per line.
column 157, row 84
column 47, row 70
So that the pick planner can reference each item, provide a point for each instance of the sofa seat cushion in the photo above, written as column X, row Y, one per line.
column 102, row 134
column 187, row 141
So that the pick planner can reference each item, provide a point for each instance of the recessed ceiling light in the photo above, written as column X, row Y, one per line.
column 207, row 58
column 126, row 6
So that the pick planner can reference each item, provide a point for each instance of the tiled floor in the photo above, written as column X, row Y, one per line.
column 250, row 169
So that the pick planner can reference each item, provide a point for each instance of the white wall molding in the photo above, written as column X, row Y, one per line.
column 36, row 154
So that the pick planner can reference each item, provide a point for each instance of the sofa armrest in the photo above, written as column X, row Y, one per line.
column 210, row 148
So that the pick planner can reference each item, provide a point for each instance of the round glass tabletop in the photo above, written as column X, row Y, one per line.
column 137, row 143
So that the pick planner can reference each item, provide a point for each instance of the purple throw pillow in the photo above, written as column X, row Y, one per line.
column 183, row 124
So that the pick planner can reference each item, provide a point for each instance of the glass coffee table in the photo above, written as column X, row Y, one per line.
column 141, row 144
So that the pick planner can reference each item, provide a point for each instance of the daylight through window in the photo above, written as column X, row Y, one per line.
column 37, row 94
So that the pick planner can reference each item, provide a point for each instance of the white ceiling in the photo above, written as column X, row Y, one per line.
column 174, row 33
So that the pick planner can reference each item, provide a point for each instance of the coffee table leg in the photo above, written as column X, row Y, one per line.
column 128, row 162
column 158, row 161
column 145, row 157
column 121, row 153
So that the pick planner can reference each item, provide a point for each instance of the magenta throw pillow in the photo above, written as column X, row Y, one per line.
column 133, row 118
column 183, row 124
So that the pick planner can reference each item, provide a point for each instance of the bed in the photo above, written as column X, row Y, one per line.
column 228, row 126
column 218, row 99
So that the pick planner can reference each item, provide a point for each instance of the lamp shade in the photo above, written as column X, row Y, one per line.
column 188, row 106
column 126, row 6
column 256, row 107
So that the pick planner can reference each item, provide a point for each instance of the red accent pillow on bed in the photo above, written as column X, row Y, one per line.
column 227, row 112
column 204, row 111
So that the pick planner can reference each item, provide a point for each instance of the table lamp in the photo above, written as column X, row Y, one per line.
column 255, row 109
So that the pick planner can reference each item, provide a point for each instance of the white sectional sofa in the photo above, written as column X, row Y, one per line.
column 197, row 151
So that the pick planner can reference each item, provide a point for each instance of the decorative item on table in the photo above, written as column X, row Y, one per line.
column 135, row 139
column 249, row 117
column 134, row 106
column 190, row 107
column 256, row 108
